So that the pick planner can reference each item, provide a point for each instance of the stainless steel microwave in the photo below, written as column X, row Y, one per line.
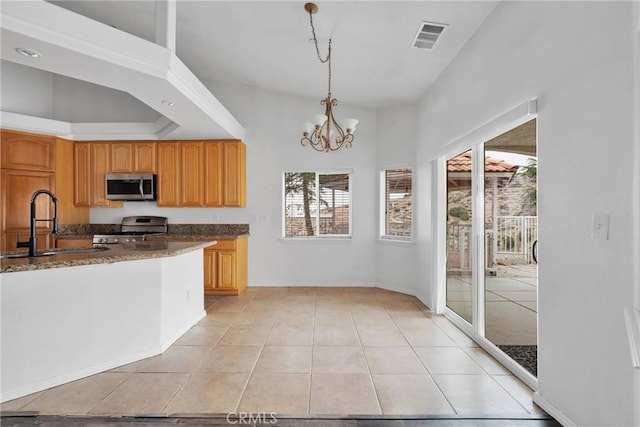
column 131, row 186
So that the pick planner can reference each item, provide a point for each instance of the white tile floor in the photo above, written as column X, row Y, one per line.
column 304, row 351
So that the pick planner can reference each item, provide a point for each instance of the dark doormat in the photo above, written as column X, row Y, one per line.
column 525, row 355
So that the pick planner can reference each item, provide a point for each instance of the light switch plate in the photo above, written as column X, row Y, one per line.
column 600, row 226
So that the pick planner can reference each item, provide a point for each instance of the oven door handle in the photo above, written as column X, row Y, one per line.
column 141, row 188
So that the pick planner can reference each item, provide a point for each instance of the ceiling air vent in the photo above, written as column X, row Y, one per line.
column 428, row 34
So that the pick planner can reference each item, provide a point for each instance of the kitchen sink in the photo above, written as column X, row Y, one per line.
column 49, row 252
column 11, row 255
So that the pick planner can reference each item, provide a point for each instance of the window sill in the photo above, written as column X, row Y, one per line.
column 315, row 239
column 396, row 240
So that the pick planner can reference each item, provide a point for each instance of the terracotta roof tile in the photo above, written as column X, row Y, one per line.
column 462, row 163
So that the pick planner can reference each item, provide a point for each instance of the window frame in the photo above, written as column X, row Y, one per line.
column 317, row 172
column 382, row 232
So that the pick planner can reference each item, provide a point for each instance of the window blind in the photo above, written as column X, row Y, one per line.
column 398, row 203
column 317, row 204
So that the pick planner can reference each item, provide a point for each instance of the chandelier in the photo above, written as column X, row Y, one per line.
column 319, row 134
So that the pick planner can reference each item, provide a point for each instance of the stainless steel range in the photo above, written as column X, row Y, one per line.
column 134, row 229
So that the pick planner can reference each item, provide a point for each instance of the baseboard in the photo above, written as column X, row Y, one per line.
column 325, row 284
column 92, row 370
column 73, row 376
column 312, row 285
column 553, row 411
column 168, row 343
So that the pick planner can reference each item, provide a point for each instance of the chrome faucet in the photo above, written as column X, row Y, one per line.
column 32, row 242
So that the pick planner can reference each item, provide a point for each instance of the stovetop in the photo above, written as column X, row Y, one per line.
column 122, row 237
column 134, row 229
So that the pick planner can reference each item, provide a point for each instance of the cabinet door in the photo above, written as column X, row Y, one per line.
column 44, row 239
column 192, row 173
column 213, row 180
column 82, row 174
column 68, row 212
column 168, row 174
column 121, row 157
column 226, row 269
column 234, row 170
column 100, row 167
column 210, row 275
column 17, row 189
column 144, row 155
column 26, row 151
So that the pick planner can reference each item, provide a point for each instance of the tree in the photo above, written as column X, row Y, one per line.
column 530, row 194
column 302, row 182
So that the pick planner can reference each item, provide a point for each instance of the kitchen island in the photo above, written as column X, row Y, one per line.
column 71, row 315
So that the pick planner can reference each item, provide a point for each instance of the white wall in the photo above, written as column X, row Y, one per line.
column 25, row 90
column 584, row 82
column 397, row 262
column 274, row 126
column 58, row 326
column 29, row 91
column 83, row 102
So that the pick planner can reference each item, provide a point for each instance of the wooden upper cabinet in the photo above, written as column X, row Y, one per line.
column 234, row 174
column 68, row 211
column 92, row 162
column 133, row 157
column 225, row 174
column 192, row 172
column 213, row 180
column 144, row 157
column 26, row 151
column 82, row 173
column 100, row 167
column 121, row 157
column 168, row 164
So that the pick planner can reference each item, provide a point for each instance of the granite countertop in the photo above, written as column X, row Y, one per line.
column 197, row 237
column 177, row 232
column 113, row 253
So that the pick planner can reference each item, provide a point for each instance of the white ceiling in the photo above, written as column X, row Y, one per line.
column 267, row 44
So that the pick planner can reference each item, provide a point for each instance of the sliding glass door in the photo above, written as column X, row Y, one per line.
column 511, row 235
column 459, row 242
column 491, row 242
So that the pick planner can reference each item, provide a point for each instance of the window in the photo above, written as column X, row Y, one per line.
column 317, row 204
column 396, row 196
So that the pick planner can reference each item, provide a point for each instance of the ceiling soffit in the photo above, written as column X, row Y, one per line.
column 81, row 48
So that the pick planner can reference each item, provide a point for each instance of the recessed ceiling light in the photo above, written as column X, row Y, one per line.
column 167, row 102
column 28, row 52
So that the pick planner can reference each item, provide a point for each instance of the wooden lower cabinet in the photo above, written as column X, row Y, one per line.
column 225, row 267
column 44, row 239
column 73, row 243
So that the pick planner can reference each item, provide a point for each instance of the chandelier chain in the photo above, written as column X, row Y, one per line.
column 315, row 41
column 320, row 135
